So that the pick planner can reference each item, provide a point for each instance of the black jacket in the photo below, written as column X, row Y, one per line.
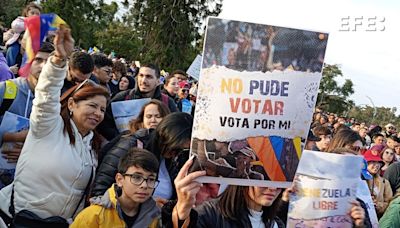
column 108, row 167
column 208, row 215
column 107, row 127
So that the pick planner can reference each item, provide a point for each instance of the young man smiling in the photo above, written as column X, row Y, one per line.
column 147, row 86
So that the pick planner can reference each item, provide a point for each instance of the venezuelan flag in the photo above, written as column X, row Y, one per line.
column 36, row 29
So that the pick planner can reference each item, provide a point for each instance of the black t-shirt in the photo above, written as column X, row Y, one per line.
column 130, row 220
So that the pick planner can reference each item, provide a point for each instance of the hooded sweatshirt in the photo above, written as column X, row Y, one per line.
column 105, row 211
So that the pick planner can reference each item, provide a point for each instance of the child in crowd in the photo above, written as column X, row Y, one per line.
column 129, row 202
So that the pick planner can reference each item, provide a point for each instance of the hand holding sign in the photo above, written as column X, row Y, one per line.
column 357, row 213
column 186, row 189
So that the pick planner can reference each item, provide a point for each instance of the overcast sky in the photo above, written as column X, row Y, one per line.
column 370, row 59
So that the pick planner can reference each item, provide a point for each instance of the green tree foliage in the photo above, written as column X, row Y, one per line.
column 10, row 9
column 380, row 115
column 168, row 30
column 332, row 97
column 119, row 38
column 84, row 16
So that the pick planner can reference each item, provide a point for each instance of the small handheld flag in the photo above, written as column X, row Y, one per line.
column 36, row 29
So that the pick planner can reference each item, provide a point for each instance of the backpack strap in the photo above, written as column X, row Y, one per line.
column 10, row 93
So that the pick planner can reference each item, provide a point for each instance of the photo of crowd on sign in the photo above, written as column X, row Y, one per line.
column 257, row 90
column 246, row 46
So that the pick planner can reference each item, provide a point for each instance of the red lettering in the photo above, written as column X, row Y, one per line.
column 278, row 108
column 325, row 205
column 234, row 105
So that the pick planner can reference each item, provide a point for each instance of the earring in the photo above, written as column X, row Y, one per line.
column 70, row 113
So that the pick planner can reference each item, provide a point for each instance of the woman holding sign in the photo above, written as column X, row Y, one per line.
column 238, row 206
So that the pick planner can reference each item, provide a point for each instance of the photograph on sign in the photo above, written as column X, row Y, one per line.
column 256, row 94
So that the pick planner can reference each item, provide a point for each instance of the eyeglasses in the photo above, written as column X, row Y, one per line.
column 138, row 180
column 185, row 90
column 375, row 163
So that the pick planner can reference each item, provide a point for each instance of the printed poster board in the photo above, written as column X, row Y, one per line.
column 256, row 94
column 322, row 203
column 364, row 194
column 324, row 186
column 11, row 123
column 194, row 69
column 125, row 111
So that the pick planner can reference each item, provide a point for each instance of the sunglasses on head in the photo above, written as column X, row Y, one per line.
column 86, row 82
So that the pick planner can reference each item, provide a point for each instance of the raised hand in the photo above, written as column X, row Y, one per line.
column 186, row 189
column 357, row 213
column 63, row 43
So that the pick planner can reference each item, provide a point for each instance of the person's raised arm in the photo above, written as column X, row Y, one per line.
column 46, row 105
column 186, row 189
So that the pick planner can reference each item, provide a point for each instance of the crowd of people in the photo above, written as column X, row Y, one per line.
column 380, row 147
column 252, row 47
column 73, row 167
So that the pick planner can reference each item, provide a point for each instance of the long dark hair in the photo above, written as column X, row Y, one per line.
column 234, row 202
column 173, row 131
column 84, row 93
column 343, row 138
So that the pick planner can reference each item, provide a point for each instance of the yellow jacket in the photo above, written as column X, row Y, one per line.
column 106, row 212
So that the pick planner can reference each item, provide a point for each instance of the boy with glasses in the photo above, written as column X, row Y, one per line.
column 129, row 202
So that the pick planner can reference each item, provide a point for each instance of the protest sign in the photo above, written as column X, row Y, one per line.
column 330, row 165
column 194, row 69
column 364, row 194
column 11, row 123
column 254, row 106
column 325, row 183
column 322, row 203
column 125, row 111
